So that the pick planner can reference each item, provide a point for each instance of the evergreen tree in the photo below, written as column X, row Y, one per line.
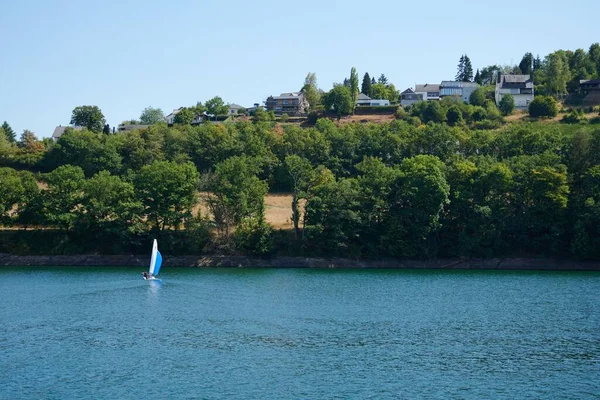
column 382, row 79
column 477, row 78
column 346, row 82
column 468, row 71
column 537, row 63
column 106, row 129
column 366, row 84
column 354, row 85
column 373, row 81
column 9, row 133
column 461, row 69
column 526, row 64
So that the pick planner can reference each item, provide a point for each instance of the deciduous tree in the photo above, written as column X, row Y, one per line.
column 90, row 117
column 151, row 116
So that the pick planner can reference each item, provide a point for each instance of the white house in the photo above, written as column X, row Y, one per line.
column 233, row 109
column 461, row 90
column 519, row 86
column 364, row 100
column 428, row 91
column 171, row 117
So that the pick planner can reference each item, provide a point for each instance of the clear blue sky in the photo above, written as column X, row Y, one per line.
column 128, row 54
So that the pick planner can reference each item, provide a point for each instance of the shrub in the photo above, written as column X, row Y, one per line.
column 478, row 98
column 479, row 114
column 454, row 116
column 284, row 118
column 543, row 106
column 507, row 104
column 574, row 117
column 312, row 117
column 254, row 236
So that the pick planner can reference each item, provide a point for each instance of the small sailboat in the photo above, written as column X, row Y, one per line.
column 155, row 263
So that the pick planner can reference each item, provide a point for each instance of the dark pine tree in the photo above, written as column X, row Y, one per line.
column 468, row 72
column 383, row 79
column 347, row 82
column 373, row 81
column 461, row 69
column 106, row 129
column 478, row 79
column 8, row 131
column 366, row 85
column 526, row 64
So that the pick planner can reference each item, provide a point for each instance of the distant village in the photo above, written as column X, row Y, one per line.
column 295, row 104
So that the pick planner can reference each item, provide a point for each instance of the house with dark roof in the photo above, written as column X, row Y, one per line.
column 364, row 100
column 409, row 97
column 461, row 90
column 132, row 127
column 591, row 89
column 520, row 87
column 428, row 91
column 291, row 103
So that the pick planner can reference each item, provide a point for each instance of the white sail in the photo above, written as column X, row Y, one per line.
column 153, row 258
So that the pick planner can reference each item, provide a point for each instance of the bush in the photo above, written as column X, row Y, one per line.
column 487, row 124
column 478, row 98
column 312, row 118
column 507, row 104
column 479, row 114
column 543, row 106
column 454, row 116
column 574, row 117
column 401, row 113
column 284, row 118
column 254, row 236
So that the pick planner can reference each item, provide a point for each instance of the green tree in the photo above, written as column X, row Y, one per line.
column 507, row 104
column 454, row 116
column 543, row 106
column 382, row 79
column 167, row 191
column 185, row 116
column 216, row 106
column 311, row 90
column 354, row 87
column 62, row 198
column 366, row 85
column 235, row 192
column 468, row 70
column 557, row 73
column 526, row 64
column 478, row 97
column 9, row 133
column 109, row 205
column 379, row 91
column 594, row 55
column 434, row 112
column 417, row 200
column 460, row 70
column 151, row 116
column 340, row 100
column 90, row 117
column 477, row 78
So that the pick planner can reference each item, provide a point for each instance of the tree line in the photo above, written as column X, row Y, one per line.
column 358, row 190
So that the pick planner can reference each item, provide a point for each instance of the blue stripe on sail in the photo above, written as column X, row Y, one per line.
column 158, row 263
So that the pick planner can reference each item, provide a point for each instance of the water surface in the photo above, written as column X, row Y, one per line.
column 269, row 333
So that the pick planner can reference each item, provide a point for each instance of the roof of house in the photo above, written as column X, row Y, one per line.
column 175, row 112
column 458, row 84
column 428, row 87
column 408, row 91
column 289, row 95
column 129, row 127
column 233, row 105
column 516, row 81
column 362, row 96
column 59, row 130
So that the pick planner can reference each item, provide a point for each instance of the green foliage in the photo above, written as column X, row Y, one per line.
column 557, row 73
column 574, row 117
column 185, row 116
column 354, row 90
column 366, row 85
column 543, row 106
column 454, row 116
column 507, row 104
column 216, row 106
column 167, row 191
column 339, row 99
column 16, row 189
column 284, row 117
column 526, row 64
column 311, row 90
column 151, row 116
column 260, row 115
column 254, row 236
column 9, row 133
column 63, row 197
column 465, row 69
column 90, row 117
column 478, row 97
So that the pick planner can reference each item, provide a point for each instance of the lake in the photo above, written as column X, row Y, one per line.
column 105, row 333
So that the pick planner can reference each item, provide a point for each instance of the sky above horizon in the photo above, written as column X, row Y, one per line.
column 126, row 55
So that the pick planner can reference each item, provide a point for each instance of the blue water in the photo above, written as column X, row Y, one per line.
column 105, row 333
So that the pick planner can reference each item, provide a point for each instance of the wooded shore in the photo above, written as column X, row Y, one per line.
column 528, row 264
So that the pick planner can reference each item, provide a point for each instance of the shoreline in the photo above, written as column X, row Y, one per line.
column 508, row 264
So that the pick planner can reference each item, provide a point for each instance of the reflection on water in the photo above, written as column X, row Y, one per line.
column 242, row 333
